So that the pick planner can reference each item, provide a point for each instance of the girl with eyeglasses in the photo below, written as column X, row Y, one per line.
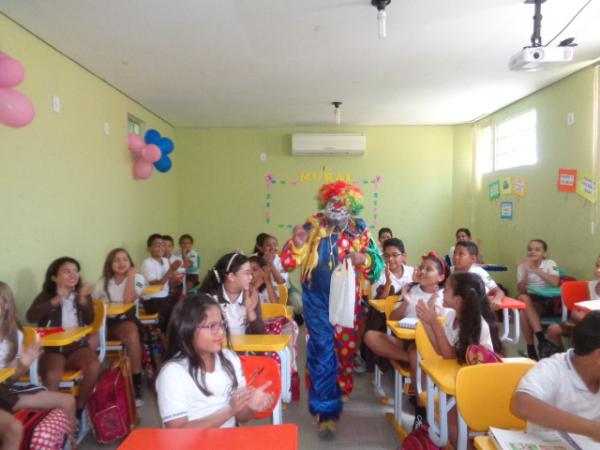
column 230, row 283
column 202, row 385
column 396, row 273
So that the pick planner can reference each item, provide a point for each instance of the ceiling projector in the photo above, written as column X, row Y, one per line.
column 536, row 58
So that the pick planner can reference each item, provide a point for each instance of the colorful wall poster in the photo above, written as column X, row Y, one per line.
column 567, row 180
column 587, row 187
column 520, row 186
column 494, row 190
column 506, row 210
column 505, row 186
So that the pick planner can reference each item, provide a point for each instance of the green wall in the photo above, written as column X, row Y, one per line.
column 563, row 220
column 222, row 190
column 65, row 187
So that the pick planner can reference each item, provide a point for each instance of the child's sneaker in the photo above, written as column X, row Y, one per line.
column 360, row 366
column 327, row 429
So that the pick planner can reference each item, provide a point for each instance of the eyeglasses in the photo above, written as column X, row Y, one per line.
column 157, row 244
column 393, row 255
column 214, row 327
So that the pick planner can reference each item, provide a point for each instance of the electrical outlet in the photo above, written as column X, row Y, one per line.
column 263, row 156
column 56, row 103
column 106, row 128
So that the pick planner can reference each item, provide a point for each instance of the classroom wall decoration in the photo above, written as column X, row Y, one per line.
column 152, row 151
column 494, row 190
column 587, row 187
column 506, row 210
column 16, row 110
column 567, row 180
column 505, row 186
column 519, row 186
column 279, row 191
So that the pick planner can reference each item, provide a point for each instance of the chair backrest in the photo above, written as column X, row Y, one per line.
column 269, row 310
column 575, row 291
column 390, row 303
column 484, row 394
column 99, row 326
column 30, row 336
column 257, row 371
column 424, row 346
column 283, row 294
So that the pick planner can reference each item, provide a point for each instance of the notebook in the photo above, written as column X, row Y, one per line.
column 592, row 305
column 408, row 322
column 550, row 440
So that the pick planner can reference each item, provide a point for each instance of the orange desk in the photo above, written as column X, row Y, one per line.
column 66, row 337
column 281, row 437
column 506, row 304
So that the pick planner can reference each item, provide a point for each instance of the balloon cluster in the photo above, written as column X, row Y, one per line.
column 154, row 149
column 16, row 110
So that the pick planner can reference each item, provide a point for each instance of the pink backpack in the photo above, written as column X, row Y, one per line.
column 478, row 354
column 419, row 439
column 108, row 407
column 44, row 430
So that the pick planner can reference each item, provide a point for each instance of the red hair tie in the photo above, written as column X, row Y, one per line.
column 434, row 255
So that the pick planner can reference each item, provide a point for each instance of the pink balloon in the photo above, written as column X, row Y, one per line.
column 135, row 143
column 15, row 109
column 11, row 73
column 142, row 169
column 3, row 55
column 151, row 153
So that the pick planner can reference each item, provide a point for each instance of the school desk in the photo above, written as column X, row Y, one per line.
column 6, row 373
column 117, row 309
column 506, row 305
column 378, row 304
column 548, row 291
column 587, row 306
column 484, row 443
column 65, row 337
column 152, row 289
column 281, row 437
column 493, row 267
column 269, row 343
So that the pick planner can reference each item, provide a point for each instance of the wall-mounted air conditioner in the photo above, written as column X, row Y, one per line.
column 332, row 144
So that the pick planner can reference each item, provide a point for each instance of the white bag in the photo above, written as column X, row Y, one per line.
column 342, row 295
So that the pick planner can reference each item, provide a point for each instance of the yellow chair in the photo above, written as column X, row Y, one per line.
column 390, row 304
column 388, row 307
column 283, row 294
column 484, row 393
column 425, row 350
column 270, row 310
column 99, row 327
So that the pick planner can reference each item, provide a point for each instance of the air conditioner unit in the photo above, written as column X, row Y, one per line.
column 333, row 144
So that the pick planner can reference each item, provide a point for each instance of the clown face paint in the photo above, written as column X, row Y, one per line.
column 336, row 212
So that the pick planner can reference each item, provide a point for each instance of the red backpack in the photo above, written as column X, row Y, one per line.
column 109, row 406
column 44, row 429
column 419, row 439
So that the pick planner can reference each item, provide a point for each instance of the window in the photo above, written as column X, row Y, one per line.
column 484, row 156
column 134, row 125
column 516, row 141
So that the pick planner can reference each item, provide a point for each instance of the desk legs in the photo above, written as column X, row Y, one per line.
column 438, row 432
column 286, row 384
column 506, row 325
column 463, row 433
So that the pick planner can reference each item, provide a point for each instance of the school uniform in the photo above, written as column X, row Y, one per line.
column 488, row 281
column 114, row 293
column 160, row 303
column 452, row 333
column 178, row 395
column 549, row 305
column 417, row 293
column 235, row 314
column 397, row 282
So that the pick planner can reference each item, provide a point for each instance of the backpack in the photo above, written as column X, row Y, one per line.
column 478, row 354
column 110, row 405
column 419, row 439
column 44, row 429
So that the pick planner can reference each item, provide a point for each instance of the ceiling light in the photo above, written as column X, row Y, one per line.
column 381, row 16
column 337, row 112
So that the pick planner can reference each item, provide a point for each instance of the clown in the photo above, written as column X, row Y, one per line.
column 317, row 248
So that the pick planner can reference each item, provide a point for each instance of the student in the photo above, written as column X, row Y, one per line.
column 65, row 302
column 432, row 273
column 12, row 355
column 563, row 392
column 539, row 271
column 383, row 235
column 191, row 261
column 261, row 280
column 464, row 260
column 157, row 270
column 11, row 429
column 229, row 282
column 565, row 329
column 202, row 385
column 464, row 235
column 469, row 320
column 120, row 283
column 397, row 274
column 177, row 282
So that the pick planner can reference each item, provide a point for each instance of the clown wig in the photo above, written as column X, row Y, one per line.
column 351, row 196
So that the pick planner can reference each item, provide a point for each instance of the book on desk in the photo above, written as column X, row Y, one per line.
column 408, row 322
column 547, row 440
column 590, row 305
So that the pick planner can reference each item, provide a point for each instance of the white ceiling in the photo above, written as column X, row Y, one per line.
column 281, row 62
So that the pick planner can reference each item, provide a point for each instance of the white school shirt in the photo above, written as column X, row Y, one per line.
column 68, row 309
column 554, row 380
column 174, row 258
column 117, row 291
column 153, row 270
column 397, row 283
column 417, row 293
column 178, row 395
column 235, row 314
column 488, row 281
column 533, row 279
column 194, row 258
column 452, row 333
column 592, row 288
column 4, row 348
column 282, row 273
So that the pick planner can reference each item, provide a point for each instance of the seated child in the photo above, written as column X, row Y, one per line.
column 557, row 330
column 157, row 270
column 120, row 283
column 191, row 261
column 465, row 260
column 537, row 270
column 431, row 275
column 12, row 398
column 65, row 302
column 464, row 235
column 383, row 235
column 261, row 280
column 562, row 392
column 229, row 282
column 397, row 274
column 202, row 385
column 470, row 320
column 177, row 281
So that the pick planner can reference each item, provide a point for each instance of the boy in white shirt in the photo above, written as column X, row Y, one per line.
column 562, row 392
column 464, row 260
column 158, row 271
column 177, row 282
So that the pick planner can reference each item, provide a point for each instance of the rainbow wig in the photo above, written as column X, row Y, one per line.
column 351, row 196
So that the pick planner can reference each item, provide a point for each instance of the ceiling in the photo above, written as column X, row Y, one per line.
column 282, row 62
